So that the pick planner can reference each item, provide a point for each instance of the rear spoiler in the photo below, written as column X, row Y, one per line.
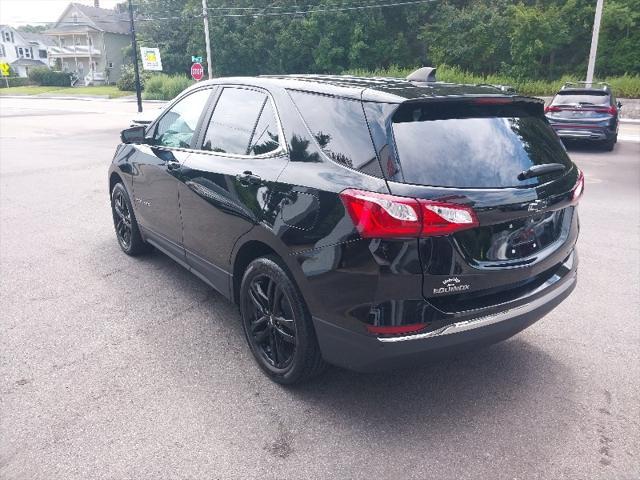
column 532, row 104
column 483, row 98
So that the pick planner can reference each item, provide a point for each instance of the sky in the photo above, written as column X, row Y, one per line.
column 23, row 12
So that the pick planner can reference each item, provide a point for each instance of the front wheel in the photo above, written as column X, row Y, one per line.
column 277, row 324
column 125, row 224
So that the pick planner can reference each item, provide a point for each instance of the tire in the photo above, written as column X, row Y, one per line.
column 609, row 144
column 277, row 323
column 125, row 224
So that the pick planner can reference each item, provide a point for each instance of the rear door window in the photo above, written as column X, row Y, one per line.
column 234, row 122
column 340, row 128
column 265, row 136
column 473, row 145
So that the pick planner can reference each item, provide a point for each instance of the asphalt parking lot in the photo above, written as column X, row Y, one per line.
column 114, row 367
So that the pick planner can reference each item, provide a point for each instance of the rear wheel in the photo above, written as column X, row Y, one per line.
column 277, row 324
column 125, row 224
column 610, row 144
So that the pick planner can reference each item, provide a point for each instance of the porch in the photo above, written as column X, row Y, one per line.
column 77, row 50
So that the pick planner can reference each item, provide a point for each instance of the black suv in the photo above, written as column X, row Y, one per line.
column 362, row 222
column 581, row 111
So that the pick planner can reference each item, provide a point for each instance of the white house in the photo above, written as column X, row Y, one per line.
column 23, row 50
column 88, row 42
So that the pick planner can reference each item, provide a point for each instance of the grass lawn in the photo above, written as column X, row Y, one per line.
column 110, row 91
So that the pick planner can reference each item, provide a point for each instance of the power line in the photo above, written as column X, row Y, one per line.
column 321, row 10
column 307, row 9
column 304, row 7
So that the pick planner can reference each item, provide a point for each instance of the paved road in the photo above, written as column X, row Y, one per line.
column 113, row 367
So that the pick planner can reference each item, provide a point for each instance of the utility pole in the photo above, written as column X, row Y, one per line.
column 594, row 42
column 205, row 16
column 134, row 47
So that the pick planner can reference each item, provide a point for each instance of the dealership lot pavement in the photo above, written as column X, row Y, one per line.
column 113, row 367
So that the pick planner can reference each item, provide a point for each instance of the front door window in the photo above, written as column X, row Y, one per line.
column 177, row 126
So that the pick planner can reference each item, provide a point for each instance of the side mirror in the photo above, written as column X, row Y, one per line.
column 134, row 134
column 619, row 104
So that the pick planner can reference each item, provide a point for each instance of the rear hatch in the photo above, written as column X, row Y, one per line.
column 471, row 152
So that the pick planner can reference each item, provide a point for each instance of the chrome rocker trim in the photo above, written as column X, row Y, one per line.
column 486, row 320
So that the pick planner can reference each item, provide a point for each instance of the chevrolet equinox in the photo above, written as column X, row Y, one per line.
column 367, row 223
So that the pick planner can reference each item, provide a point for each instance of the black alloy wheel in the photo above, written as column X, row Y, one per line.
column 272, row 326
column 124, row 221
column 277, row 323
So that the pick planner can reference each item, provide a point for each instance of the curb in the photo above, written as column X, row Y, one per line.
column 630, row 120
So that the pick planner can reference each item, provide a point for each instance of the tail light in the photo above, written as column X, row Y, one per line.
column 578, row 189
column 396, row 329
column 551, row 108
column 612, row 110
column 378, row 215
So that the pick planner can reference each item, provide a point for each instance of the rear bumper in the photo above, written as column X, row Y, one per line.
column 365, row 353
column 583, row 132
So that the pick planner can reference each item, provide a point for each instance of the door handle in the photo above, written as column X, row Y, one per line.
column 248, row 178
column 171, row 165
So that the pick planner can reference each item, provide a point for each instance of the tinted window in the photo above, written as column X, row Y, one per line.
column 234, row 121
column 340, row 128
column 176, row 127
column 265, row 136
column 468, row 145
column 581, row 98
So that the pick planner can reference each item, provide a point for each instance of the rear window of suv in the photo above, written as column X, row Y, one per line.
column 573, row 97
column 462, row 144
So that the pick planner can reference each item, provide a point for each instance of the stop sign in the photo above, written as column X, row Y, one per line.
column 197, row 71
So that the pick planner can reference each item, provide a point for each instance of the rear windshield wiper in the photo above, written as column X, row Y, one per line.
column 537, row 170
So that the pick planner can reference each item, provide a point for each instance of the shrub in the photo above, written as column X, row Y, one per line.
column 46, row 77
column 14, row 82
column 165, row 87
column 127, row 80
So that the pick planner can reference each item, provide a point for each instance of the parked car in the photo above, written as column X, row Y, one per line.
column 585, row 112
column 362, row 222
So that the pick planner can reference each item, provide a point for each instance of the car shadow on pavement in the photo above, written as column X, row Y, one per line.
column 457, row 389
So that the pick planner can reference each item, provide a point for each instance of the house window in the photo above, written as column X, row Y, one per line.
column 3, row 52
column 42, row 53
column 19, row 52
column 27, row 53
column 75, row 17
column 6, row 36
column 110, row 65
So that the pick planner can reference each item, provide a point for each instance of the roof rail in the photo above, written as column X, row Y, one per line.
column 424, row 74
column 604, row 85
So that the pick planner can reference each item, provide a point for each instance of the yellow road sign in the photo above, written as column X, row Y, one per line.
column 5, row 69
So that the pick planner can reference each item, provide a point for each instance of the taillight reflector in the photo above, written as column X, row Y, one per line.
column 396, row 329
column 551, row 108
column 379, row 215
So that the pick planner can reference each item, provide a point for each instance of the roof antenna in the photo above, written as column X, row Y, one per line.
column 424, row 74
